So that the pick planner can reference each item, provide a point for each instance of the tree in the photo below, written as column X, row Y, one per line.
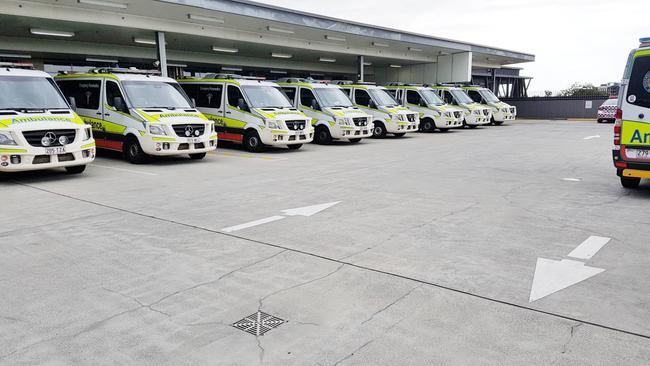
column 583, row 90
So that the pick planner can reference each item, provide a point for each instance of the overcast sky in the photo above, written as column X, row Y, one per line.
column 573, row 40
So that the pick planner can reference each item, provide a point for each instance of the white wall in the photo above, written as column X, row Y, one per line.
column 420, row 73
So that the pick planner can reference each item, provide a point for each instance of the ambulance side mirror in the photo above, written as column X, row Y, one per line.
column 423, row 103
column 193, row 103
column 118, row 103
column 241, row 104
column 73, row 103
column 372, row 104
column 314, row 104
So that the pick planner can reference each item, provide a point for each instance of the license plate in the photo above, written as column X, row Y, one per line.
column 637, row 154
column 300, row 133
column 193, row 140
column 55, row 150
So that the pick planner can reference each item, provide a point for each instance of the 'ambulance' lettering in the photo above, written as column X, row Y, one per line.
column 637, row 137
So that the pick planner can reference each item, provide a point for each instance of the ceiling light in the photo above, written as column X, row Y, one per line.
column 443, row 53
column 223, row 49
column 176, row 65
column 202, row 18
column 228, row 68
column 144, row 40
column 45, row 32
column 281, row 55
column 14, row 55
column 316, row 74
column 396, row 66
column 367, row 64
column 108, row 4
column 413, row 49
column 278, row 72
column 325, row 59
column 333, row 38
column 103, row 60
column 279, row 30
column 377, row 44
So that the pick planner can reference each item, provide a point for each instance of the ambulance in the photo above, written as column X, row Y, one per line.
column 250, row 111
column 388, row 115
column 631, row 150
column 475, row 113
column 38, row 128
column 139, row 113
column 332, row 114
column 501, row 112
column 434, row 112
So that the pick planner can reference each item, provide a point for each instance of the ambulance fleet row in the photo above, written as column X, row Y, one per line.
column 50, row 122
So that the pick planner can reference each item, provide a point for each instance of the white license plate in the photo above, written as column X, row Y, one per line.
column 637, row 154
column 300, row 133
column 55, row 150
column 193, row 140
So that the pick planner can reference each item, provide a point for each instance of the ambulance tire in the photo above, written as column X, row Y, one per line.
column 323, row 136
column 198, row 156
column 354, row 141
column 252, row 141
column 630, row 182
column 379, row 131
column 427, row 125
column 75, row 169
column 133, row 151
column 294, row 146
column 401, row 134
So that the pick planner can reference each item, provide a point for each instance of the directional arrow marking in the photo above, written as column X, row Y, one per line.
column 300, row 211
column 552, row 276
column 592, row 137
column 309, row 210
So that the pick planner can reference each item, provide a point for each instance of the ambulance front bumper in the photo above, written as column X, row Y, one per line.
column 25, row 158
column 504, row 116
column 477, row 120
column 450, row 122
column 402, row 127
column 286, row 137
column 352, row 132
column 166, row 146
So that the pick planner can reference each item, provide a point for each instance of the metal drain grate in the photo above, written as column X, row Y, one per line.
column 259, row 323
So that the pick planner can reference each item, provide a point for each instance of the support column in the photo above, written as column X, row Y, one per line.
column 360, row 66
column 161, row 49
column 494, row 81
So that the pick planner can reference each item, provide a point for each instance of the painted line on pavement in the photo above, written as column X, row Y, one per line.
column 592, row 137
column 247, row 156
column 252, row 223
column 589, row 247
column 572, row 179
column 122, row 169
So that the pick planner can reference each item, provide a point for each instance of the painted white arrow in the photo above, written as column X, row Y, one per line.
column 300, row 211
column 552, row 276
column 309, row 210
column 592, row 137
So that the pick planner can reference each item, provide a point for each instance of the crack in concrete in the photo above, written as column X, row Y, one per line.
column 261, row 349
column 142, row 305
column 261, row 300
column 391, row 304
column 353, row 353
column 572, row 332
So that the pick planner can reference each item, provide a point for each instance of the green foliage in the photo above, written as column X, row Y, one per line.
column 580, row 90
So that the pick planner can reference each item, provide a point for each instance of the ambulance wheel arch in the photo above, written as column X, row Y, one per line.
column 379, row 129
column 427, row 124
column 132, row 149
column 252, row 141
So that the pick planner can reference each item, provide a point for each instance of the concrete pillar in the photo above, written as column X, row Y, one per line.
column 456, row 68
column 161, row 49
column 360, row 70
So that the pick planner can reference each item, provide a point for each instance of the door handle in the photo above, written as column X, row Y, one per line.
column 107, row 114
column 228, row 112
column 99, row 113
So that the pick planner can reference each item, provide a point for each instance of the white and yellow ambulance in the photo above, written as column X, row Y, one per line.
column 38, row 129
column 250, row 111
column 332, row 114
column 434, row 112
column 501, row 111
column 388, row 115
column 475, row 114
column 631, row 150
column 139, row 113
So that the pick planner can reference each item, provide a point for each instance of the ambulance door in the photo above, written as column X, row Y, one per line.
column 87, row 97
column 238, row 113
column 116, row 115
column 290, row 92
column 209, row 100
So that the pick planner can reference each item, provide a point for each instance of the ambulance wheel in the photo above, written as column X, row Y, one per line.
column 379, row 131
column 629, row 182
column 401, row 134
column 354, row 141
column 294, row 146
column 75, row 169
column 427, row 125
column 133, row 151
column 252, row 141
column 323, row 136
column 198, row 156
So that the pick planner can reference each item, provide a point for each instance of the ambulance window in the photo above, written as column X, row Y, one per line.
column 112, row 92
column 234, row 95
column 362, row 97
column 306, row 97
column 346, row 91
column 85, row 92
column 638, row 90
column 393, row 92
column 476, row 96
column 209, row 96
column 448, row 98
column 413, row 97
column 290, row 93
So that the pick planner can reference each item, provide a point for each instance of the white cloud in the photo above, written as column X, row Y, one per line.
column 573, row 41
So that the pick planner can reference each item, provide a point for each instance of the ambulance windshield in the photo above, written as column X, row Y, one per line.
column 155, row 94
column 25, row 92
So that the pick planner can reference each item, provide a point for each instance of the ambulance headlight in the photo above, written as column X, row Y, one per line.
column 504, row 109
column 477, row 111
column 156, row 130
column 6, row 138
column 449, row 114
column 88, row 134
column 274, row 124
column 344, row 121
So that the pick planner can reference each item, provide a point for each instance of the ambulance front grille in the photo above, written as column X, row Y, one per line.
column 360, row 121
column 457, row 114
column 189, row 130
column 411, row 117
column 36, row 138
column 486, row 112
column 296, row 125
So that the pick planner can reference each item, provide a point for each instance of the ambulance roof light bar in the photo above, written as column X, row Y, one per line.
column 232, row 76
column 123, row 70
column 17, row 65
